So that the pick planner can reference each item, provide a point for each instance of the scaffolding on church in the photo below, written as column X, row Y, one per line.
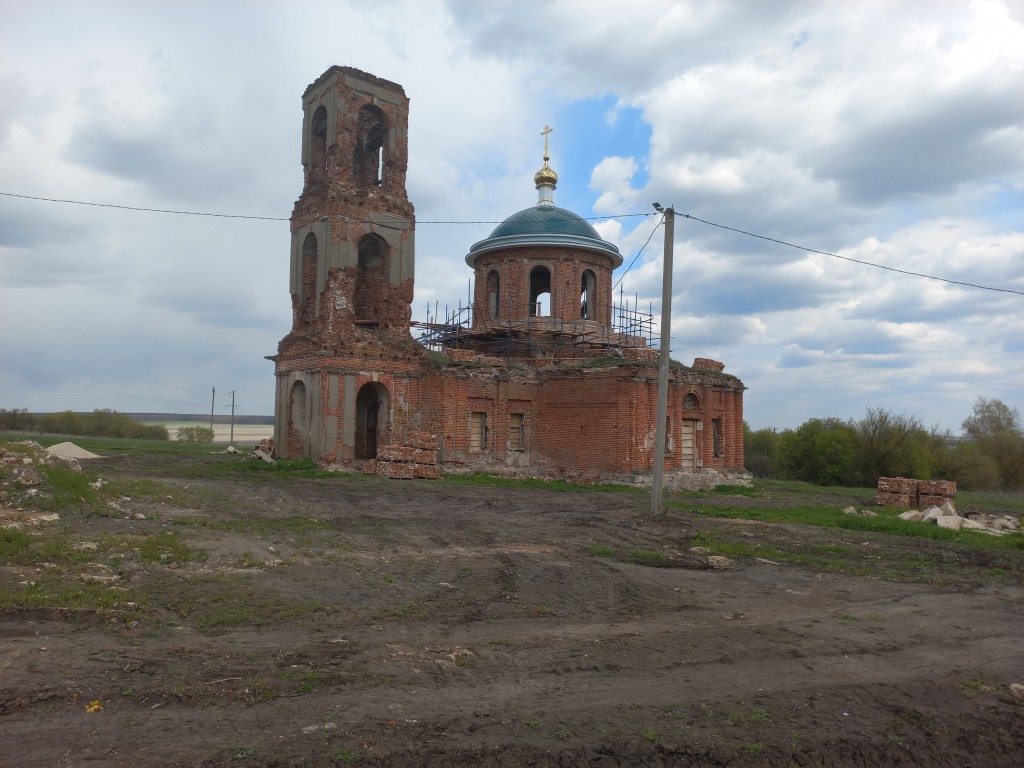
column 539, row 338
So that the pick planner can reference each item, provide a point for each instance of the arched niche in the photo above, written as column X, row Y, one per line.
column 298, row 420
column 493, row 295
column 371, row 278
column 309, row 269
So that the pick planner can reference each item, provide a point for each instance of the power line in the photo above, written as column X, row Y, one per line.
column 147, row 210
column 592, row 218
column 855, row 261
column 256, row 218
column 640, row 251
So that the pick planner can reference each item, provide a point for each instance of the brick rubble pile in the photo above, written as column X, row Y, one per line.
column 417, row 459
column 906, row 492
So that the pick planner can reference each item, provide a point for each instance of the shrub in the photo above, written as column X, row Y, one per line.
column 202, row 435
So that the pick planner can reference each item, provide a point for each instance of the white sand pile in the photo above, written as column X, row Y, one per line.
column 70, row 451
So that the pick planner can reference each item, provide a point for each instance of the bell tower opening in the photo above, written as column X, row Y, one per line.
column 588, row 283
column 540, row 292
column 371, row 139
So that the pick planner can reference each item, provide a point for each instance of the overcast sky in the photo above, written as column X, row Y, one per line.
column 887, row 132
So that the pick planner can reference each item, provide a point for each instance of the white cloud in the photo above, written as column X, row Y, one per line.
column 865, row 129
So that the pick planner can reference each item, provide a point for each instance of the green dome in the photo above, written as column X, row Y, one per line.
column 544, row 225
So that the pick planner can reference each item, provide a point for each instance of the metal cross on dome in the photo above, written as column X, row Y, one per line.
column 547, row 129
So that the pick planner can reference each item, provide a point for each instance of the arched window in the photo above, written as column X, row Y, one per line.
column 494, row 295
column 540, row 292
column 588, row 291
column 371, row 138
column 691, row 401
column 371, row 279
column 318, row 139
column 309, row 259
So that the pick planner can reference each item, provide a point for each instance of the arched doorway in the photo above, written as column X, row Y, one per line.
column 371, row 419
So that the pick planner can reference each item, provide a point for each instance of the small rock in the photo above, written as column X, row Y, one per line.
column 947, row 508
column 138, row 516
column 700, row 550
column 973, row 525
column 953, row 522
column 912, row 515
column 1017, row 691
column 868, row 513
column 850, row 511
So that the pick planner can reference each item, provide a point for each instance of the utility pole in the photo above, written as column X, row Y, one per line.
column 666, row 349
column 213, row 399
column 231, row 440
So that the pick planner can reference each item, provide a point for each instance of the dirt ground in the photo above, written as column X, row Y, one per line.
column 361, row 621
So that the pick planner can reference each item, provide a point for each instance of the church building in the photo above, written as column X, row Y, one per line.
column 542, row 374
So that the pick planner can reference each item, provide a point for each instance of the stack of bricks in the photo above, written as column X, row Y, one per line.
column 417, row 459
column 906, row 492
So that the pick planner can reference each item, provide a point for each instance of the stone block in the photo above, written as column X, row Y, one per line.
column 953, row 522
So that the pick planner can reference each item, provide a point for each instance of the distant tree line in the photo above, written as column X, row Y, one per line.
column 988, row 455
column 99, row 423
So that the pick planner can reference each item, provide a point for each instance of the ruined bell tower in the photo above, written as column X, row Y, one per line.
column 352, row 227
column 351, row 273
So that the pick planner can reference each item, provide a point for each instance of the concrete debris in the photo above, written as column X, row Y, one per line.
column 258, row 454
column 946, row 517
column 1017, row 691
column 861, row 513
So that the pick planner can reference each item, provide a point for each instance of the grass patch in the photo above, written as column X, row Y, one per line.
column 20, row 548
column 213, row 603
column 600, row 550
column 825, row 516
column 400, row 611
column 647, row 556
column 53, row 591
